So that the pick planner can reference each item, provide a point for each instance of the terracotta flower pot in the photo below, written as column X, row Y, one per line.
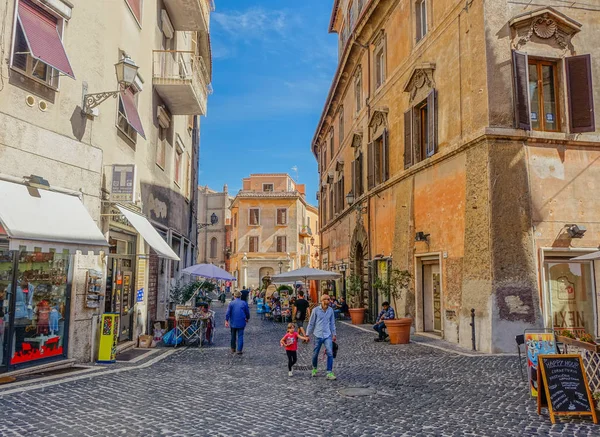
column 357, row 315
column 399, row 330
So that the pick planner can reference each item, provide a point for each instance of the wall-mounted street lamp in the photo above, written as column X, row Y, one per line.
column 576, row 231
column 358, row 207
column 421, row 236
column 126, row 72
column 213, row 221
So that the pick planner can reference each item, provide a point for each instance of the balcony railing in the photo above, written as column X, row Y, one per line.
column 357, row 8
column 305, row 231
column 181, row 79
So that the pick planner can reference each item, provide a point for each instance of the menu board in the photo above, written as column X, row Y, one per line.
column 563, row 386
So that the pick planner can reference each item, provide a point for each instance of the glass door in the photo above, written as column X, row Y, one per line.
column 6, row 277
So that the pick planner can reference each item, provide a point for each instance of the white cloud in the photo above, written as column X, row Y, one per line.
column 251, row 24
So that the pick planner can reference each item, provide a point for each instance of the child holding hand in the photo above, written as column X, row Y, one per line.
column 290, row 342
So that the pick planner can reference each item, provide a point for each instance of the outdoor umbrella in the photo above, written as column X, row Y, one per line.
column 305, row 274
column 209, row 271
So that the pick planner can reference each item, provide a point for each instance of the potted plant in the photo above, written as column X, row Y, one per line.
column 399, row 282
column 354, row 290
column 596, row 397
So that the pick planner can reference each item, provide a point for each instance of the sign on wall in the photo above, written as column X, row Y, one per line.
column 123, row 183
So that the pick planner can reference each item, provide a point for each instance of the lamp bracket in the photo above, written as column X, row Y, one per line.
column 90, row 101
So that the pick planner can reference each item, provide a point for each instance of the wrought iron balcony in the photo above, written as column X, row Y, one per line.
column 305, row 231
column 181, row 80
column 190, row 15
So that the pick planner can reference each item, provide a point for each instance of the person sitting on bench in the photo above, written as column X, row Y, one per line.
column 387, row 313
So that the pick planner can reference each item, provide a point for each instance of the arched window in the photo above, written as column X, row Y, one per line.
column 213, row 247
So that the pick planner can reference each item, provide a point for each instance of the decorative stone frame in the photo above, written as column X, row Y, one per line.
column 378, row 122
column 544, row 24
column 420, row 82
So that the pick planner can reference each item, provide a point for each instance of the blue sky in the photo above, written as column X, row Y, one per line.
column 273, row 62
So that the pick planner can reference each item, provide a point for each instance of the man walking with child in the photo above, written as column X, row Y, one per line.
column 322, row 324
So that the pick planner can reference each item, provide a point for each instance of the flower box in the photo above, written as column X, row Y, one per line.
column 578, row 343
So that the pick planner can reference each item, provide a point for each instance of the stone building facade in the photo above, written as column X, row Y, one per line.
column 128, row 152
column 213, row 242
column 271, row 228
column 465, row 133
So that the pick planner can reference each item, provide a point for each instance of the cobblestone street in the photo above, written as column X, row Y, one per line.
column 416, row 390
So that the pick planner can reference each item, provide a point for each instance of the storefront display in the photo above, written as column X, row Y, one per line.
column 570, row 297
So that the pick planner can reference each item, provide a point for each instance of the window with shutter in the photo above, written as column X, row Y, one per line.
column 408, row 138
column 359, row 175
column 431, row 124
column 252, row 244
column 385, row 171
column 543, row 92
column 371, row 166
column 521, row 90
column 253, row 216
column 281, row 244
column 353, row 178
column 282, row 216
column 331, row 203
column 580, row 94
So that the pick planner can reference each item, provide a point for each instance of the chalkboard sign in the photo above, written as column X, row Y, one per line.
column 563, row 387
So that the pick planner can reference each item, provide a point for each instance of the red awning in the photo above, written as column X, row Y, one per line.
column 41, row 32
column 131, row 112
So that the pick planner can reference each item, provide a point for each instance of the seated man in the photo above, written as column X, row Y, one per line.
column 387, row 313
column 341, row 309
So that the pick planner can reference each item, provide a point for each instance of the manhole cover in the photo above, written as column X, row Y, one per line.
column 357, row 391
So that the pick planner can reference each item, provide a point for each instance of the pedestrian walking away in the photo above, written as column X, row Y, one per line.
column 322, row 324
column 290, row 342
column 301, row 305
column 236, row 317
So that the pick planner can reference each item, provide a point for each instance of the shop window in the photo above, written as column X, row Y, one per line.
column 40, row 327
column 268, row 188
column 569, row 300
column 135, row 6
column 543, row 91
column 252, row 244
column 378, row 160
column 213, row 247
column 38, row 51
column 421, row 18
column 420, row 131
column 281, row 244
column 282, row 216
column 254, row 217
column 537, row 93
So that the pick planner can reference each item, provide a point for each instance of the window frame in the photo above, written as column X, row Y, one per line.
column 539, row 62
column 379, row 68
column 421, row 20
column 341, row 125
column 279, row 239
column 178, row 164
column 358, row 91
column 285, row 221
column 161, row 143
column 122, row 118
column 137, row 20
column 267, row 184
column 331, row 144
column 257, row 244
column 250, row 217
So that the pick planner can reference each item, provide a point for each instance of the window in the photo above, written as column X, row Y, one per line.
column 38, row 51
column 281, row 244
column 252, row 244
column 536, row 93
column 188, row 170
column 379, row 67
column 254, row 216
column 178, row 165
column 421, row 18
column 357, row 175
column 161, row 148
column 213, row 247
column 331, row 203
column 324, row 207
column 234, row 245
column 339, row 195
column 268, row 188
column 135, row 6
column 235, row 220
column 420, row 130
column 378, row 159
column 358, row 91
column 341, row 125
column 128, row 117
column 282, row 216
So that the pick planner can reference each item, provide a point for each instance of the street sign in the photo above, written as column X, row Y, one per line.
column 563, row 387
column 123, row 183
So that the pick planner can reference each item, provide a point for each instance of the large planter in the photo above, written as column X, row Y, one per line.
column 399, row 330
column 357, row 315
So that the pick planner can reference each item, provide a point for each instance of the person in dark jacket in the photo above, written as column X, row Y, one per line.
column 245, row 292
column 238, row 314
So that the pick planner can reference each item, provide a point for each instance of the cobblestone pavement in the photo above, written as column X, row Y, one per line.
column 416, row 391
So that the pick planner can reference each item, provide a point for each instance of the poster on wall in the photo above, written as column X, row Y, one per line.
column 537, row 343
column 571, row 297
column 93, row 288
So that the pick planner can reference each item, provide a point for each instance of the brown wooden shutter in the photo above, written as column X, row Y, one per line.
column 342, row 192
column 371, row 165
column 521, row 90
column 408, row 138
column 251, row 244
column 359, row 176
column 386, row 156
column 580, row 94
column 353, row 178
column 431, row 123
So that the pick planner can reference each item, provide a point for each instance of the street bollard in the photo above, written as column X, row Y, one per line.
column 473, row 327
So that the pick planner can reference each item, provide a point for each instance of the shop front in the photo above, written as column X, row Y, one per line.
column 37, row 253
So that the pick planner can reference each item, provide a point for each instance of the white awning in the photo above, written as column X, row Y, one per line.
column 151, row 235
column 47, row 220
column 589, row 256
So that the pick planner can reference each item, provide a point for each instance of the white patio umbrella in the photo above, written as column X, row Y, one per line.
column 305, row 274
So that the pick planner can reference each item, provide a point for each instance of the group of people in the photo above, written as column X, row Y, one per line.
column 321, row 325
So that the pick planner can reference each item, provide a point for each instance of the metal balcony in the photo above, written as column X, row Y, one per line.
column 190, row 15
column 181, row 80
column 305, row 231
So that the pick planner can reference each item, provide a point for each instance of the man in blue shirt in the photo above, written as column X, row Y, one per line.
column 236, row 318
column 387, row 313
column 322, row 324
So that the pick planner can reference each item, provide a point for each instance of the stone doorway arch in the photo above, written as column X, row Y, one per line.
column 359, row 264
